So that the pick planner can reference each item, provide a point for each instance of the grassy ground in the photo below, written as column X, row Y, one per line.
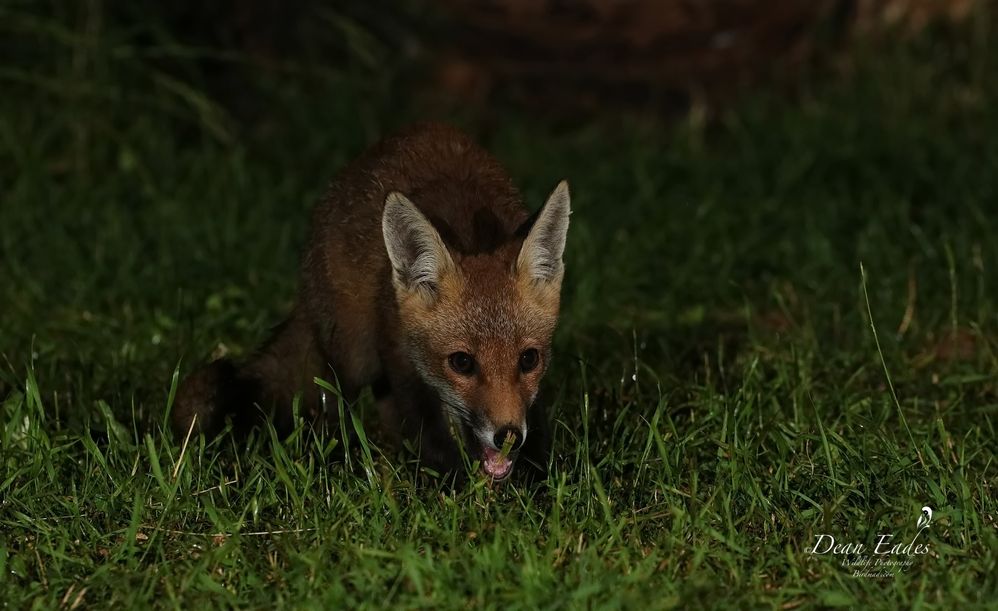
column 719, row 396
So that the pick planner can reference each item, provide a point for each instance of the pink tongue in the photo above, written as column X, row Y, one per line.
column 495, row 464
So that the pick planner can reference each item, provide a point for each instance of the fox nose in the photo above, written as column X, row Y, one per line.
column 504, row 433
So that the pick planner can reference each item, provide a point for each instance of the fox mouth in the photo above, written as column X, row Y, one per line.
column 496, row 464
column 493, row 463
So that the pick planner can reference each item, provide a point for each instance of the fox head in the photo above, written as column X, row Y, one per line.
column 478, row 328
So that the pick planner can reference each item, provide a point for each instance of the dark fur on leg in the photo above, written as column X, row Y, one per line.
column 210, row 395
column 263, row 386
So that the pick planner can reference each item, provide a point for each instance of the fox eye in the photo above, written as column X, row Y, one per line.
column 529, row 359
column 462, row 363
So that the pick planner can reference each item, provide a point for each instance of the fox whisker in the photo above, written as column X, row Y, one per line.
column 456, row 410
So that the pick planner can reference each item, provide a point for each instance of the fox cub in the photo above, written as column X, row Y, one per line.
column 426, row 278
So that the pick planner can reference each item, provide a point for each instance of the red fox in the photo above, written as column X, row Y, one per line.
column 425, row 278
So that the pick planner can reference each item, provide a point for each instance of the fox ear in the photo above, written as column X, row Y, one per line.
column 540, row 255
column 417, row 253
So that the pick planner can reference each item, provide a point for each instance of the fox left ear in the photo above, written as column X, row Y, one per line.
column 418, row 255
column 540, row 256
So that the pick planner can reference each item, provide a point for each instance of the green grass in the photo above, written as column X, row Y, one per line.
column 719, row 393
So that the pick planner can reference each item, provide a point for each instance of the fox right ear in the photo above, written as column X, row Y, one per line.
column 418, row 255
column 540, row 256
